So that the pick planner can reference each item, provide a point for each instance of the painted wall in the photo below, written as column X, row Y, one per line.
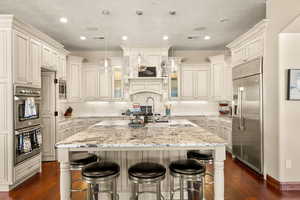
column 289, row 48
column 116, row 108
column 191, row 57
column 196, row 57
column 280, row 13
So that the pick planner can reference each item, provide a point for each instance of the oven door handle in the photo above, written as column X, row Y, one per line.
column 17, row 98
column 18, row 132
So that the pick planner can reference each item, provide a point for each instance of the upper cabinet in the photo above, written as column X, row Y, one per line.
column 62, row 67
column 27, row 60
column 74, row 73
column 21, row 57
column 221, row 81
column 250, row 45
column 97, row 83
column 35, row 63
column 195, row 82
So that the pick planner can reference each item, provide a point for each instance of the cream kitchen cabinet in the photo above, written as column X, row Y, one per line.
column 50, row 58
column 74, row 73
column 221, row 79
column 195, row 82
column 27, row 60
column 96, row 83
column 35, row 63
column 249, row 45
column 62, row 67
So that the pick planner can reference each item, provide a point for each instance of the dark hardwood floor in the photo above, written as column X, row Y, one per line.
column 240, row 184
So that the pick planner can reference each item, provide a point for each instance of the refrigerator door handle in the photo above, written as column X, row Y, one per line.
column 241, row 119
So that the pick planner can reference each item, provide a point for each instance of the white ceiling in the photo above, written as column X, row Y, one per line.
column 142, row 31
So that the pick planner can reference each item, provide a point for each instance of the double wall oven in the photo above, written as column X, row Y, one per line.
column 27, row 123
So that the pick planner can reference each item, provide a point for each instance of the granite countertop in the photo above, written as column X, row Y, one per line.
column 113, row 137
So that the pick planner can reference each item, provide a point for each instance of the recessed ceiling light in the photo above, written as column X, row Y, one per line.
column 207, row 37
column 105, row 12
column 165, row 37
column 139, row 12
column 172, row 12
column 63, row 20
column 82, row 37
column 124, row 37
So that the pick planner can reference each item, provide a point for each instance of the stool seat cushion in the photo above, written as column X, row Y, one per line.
column 187, row 167
column 198, row 155
column 147, row 170
column 100, row 169
column 82, row 159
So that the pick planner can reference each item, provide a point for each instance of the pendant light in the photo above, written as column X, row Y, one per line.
column 173, row 64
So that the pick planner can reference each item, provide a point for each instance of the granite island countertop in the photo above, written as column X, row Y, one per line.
column 149, row 137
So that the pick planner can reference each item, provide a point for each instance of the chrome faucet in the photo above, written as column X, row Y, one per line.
column 147, row 100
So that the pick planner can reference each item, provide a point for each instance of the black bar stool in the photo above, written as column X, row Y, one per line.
column 146, row 173
column 78, row 161
column 98, row 173
column 186, row 170
column 204, row 157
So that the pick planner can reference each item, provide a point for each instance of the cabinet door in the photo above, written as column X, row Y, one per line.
column 201, row 78
column 104, row 85
column 46, row 56
column 187, row 90
column 63, row 67
column 90, row 84
column 74, row 82
column 21, row 57
column 55, row 60
column 34, row 72
column 217, row 71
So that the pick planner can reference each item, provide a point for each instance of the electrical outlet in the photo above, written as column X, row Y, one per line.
column 288, row 164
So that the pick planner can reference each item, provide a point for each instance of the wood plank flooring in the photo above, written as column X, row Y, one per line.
column 240, row 184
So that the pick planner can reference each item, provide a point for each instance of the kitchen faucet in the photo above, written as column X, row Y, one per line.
column 147, row 100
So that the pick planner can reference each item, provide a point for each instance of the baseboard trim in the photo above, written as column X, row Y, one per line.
column 282, row 186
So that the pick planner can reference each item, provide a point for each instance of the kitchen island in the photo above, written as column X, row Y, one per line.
column 160, row 142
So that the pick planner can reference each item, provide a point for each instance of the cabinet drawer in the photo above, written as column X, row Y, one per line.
column 27, row 167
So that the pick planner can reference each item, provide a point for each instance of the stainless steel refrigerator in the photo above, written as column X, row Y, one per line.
column 247, row 126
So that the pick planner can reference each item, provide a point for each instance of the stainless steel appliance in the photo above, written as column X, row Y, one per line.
column 21, row 97
column 28, row 143
column 247, row 126
column 28, row 138
column 62, row 89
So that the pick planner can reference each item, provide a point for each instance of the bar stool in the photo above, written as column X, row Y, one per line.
column 78, row 161
column 186, row 170
column 204, row 157
column 146, row 173
column 98, row 173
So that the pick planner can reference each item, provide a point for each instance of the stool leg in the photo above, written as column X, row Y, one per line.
column 181, row 188
column 158, row 191
column 135, row 191
column 95, row 191
column 114, row 189
column 171, row 188
column 202, row 194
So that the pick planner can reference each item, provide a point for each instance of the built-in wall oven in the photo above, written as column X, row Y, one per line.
column 27, row 123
